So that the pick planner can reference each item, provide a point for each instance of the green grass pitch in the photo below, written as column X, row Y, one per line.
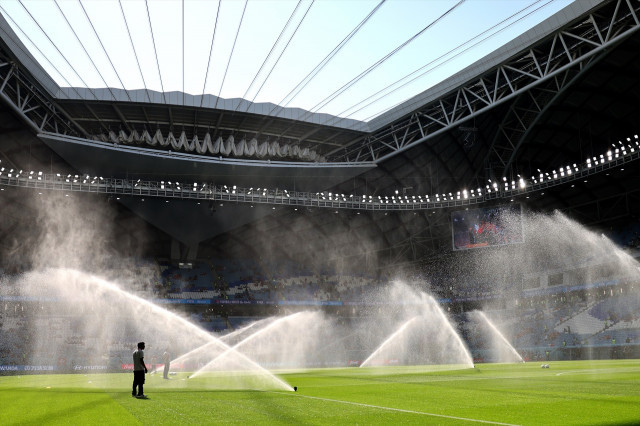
column 579, row 392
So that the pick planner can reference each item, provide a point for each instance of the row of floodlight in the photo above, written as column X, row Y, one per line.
column 618, row 151
column 32, row 175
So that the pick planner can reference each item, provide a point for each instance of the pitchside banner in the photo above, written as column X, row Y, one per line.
column 152, row 366
column 28, row 368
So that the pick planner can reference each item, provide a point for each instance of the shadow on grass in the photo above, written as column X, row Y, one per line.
column 53, row 416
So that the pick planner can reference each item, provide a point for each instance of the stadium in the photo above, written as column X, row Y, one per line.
column 320, row 212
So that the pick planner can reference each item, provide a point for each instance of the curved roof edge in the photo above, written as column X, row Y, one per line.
column 24, row 57
column 525, row 40
column 181, row 99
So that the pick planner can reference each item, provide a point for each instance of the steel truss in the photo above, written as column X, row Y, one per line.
column 203, row 191
column 30, row 102
column 606, row 209
column 539, row 72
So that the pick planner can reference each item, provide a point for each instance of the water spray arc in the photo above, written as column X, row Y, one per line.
column 423, row 334
column 387, row 342
column 83, row 287
column 447, row 324
column 234, row 348
column 200, row 349
column 496, row 333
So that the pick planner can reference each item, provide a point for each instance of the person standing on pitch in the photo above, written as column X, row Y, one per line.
column 139, row 369
column 166, row 358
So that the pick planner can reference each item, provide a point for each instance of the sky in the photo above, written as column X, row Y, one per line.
column 288, row 52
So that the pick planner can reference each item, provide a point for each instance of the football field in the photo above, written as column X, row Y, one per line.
column 577, row 392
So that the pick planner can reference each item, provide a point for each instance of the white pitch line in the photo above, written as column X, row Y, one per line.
column 400, row 410
column 600, row 371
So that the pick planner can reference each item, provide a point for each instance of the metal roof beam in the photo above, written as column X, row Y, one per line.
column 569, row 48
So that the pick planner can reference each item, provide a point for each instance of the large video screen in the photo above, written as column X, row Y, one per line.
column 487, row 227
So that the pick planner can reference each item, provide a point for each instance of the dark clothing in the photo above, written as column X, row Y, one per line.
column 138, row 380
column 165, row 373
column 166, row 358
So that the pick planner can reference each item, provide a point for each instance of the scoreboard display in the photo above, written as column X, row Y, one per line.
column 487, row 227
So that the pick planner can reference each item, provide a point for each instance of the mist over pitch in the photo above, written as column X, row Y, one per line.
column 82, row 305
